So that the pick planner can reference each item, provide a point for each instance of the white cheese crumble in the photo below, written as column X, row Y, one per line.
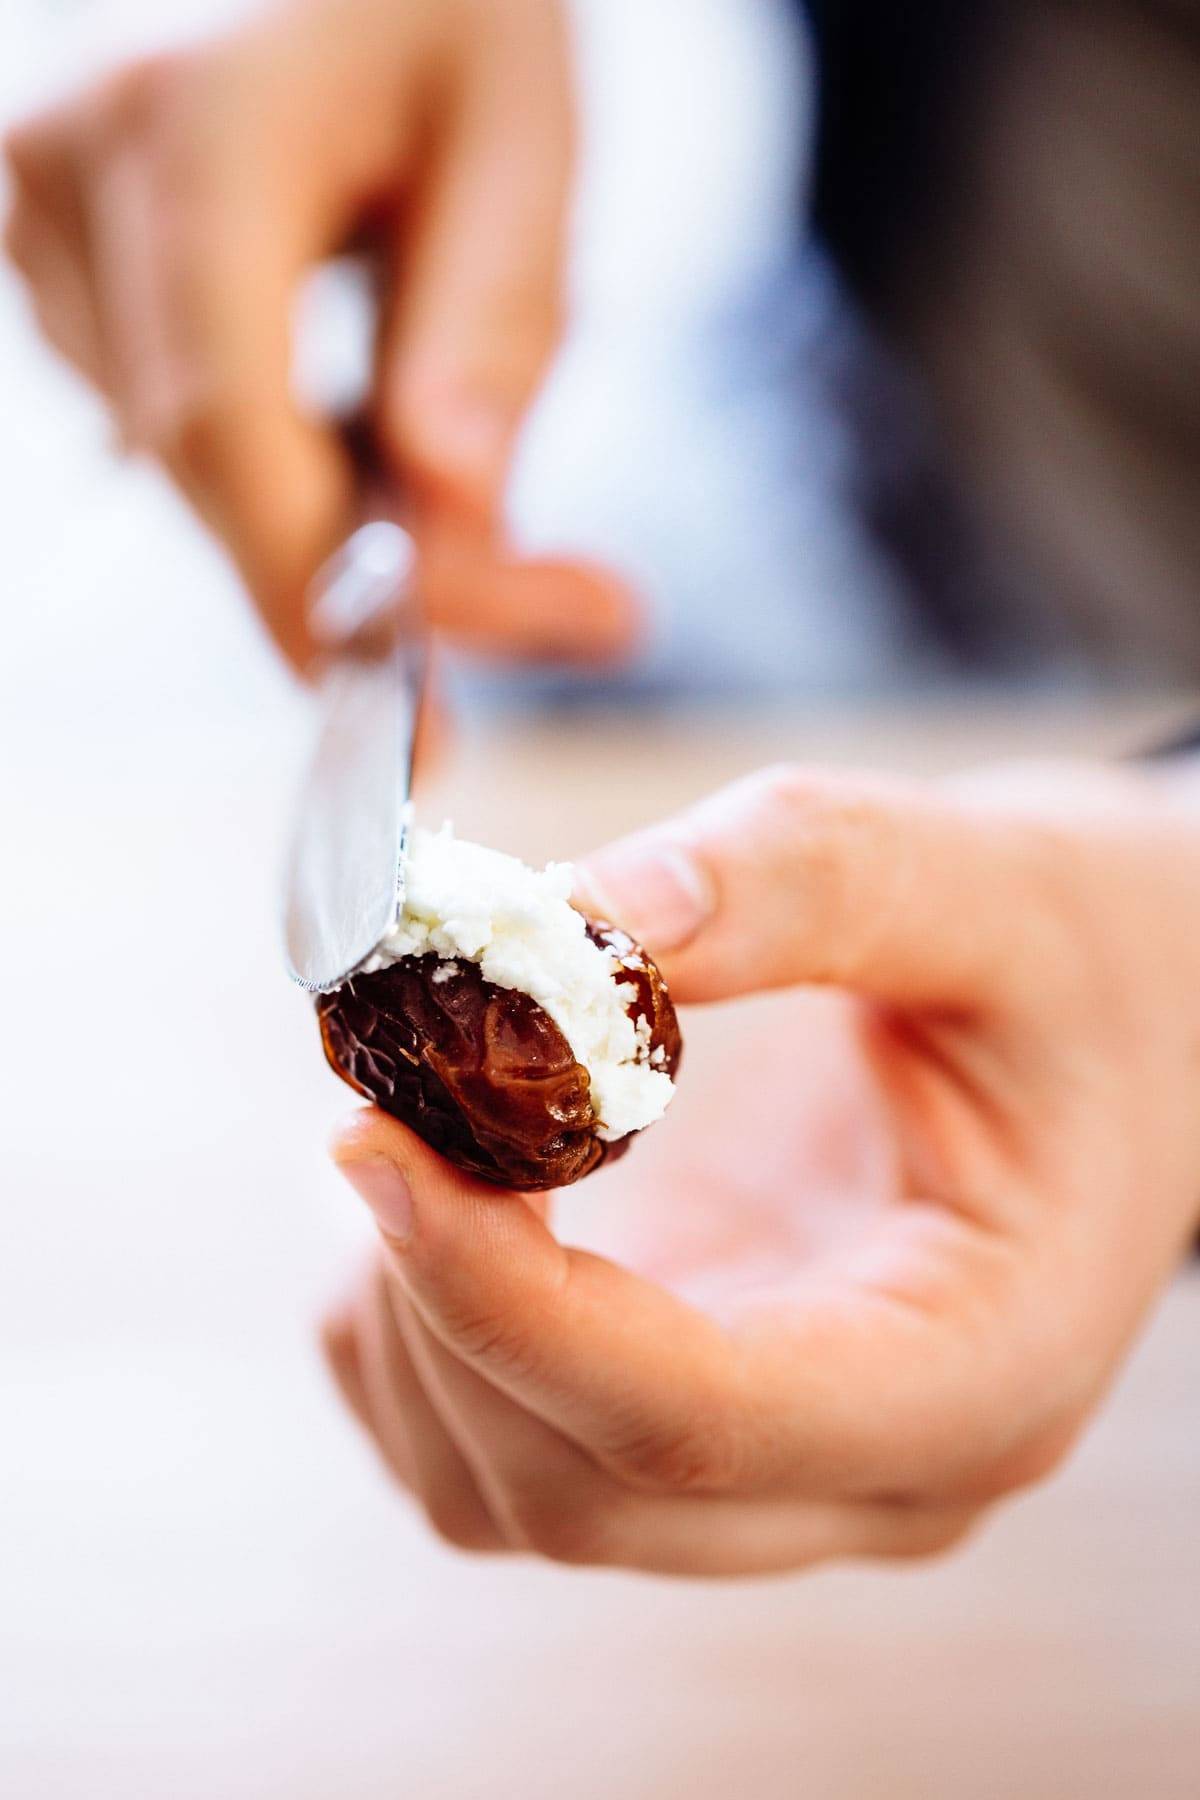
column 465, row 902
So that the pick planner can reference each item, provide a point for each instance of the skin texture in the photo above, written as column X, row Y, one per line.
column 163, row 219
column 887, row 1275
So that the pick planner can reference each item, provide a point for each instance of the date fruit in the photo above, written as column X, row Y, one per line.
column 483, row 1073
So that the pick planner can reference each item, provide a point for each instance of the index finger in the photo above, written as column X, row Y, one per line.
column 196, row 300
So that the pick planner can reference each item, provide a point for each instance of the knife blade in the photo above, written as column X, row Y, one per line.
column 345, row 875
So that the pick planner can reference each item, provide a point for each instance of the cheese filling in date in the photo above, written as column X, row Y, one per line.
column 524, row 1041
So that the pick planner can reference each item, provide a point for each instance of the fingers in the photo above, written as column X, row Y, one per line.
column 532, row 610
column 548, row 1498
column 729, row 1538
column 611, row 1426
column 898, row 1376
column 164, row 218
column 441, row 1478
column 651, row 1389
column 544, row 1493
column 523, row 1468
column 365, row 1346
column 195, row 265
column 374, row 1380
column 491, row 1476
column 789, row 877
column 341, row 1354
column 474, row 318
column 60, row 298
column 162, row 250
column 46, row 239
column 476, row 306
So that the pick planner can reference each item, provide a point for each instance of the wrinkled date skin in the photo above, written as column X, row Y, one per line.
column 482, row 1073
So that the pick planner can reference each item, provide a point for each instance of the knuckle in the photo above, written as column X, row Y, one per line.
column 501, row 1343
column 828, row 812
column 786, row 784
column 685, row 1457
column 18, row 238
column 781, row 789
column 16, row 153
column 30, row 147
column 828, row 829
column 936, row 1538
column 181, row 117
column 143, row 98
column 987, row 1473
column 1035, row 1462
column 459, row 1520
column 560, row 1528
column 184, row 437
column 192, row 430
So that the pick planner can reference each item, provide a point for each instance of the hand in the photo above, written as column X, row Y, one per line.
column 898, row 1274
column 164, row 218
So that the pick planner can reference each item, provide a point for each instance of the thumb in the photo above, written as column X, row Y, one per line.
column 616, row 1365
column 789, row 878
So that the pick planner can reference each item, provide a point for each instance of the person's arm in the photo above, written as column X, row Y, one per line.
column 934, row 1225
column 164, row 218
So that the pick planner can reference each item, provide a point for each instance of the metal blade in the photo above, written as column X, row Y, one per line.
column 344, row 883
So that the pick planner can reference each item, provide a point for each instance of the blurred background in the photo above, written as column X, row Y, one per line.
column 915, row 487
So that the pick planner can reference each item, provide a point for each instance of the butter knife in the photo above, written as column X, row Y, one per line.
column 345, row 872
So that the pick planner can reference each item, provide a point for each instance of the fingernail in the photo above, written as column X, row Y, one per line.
column 385, row 1191
column 655, row 891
